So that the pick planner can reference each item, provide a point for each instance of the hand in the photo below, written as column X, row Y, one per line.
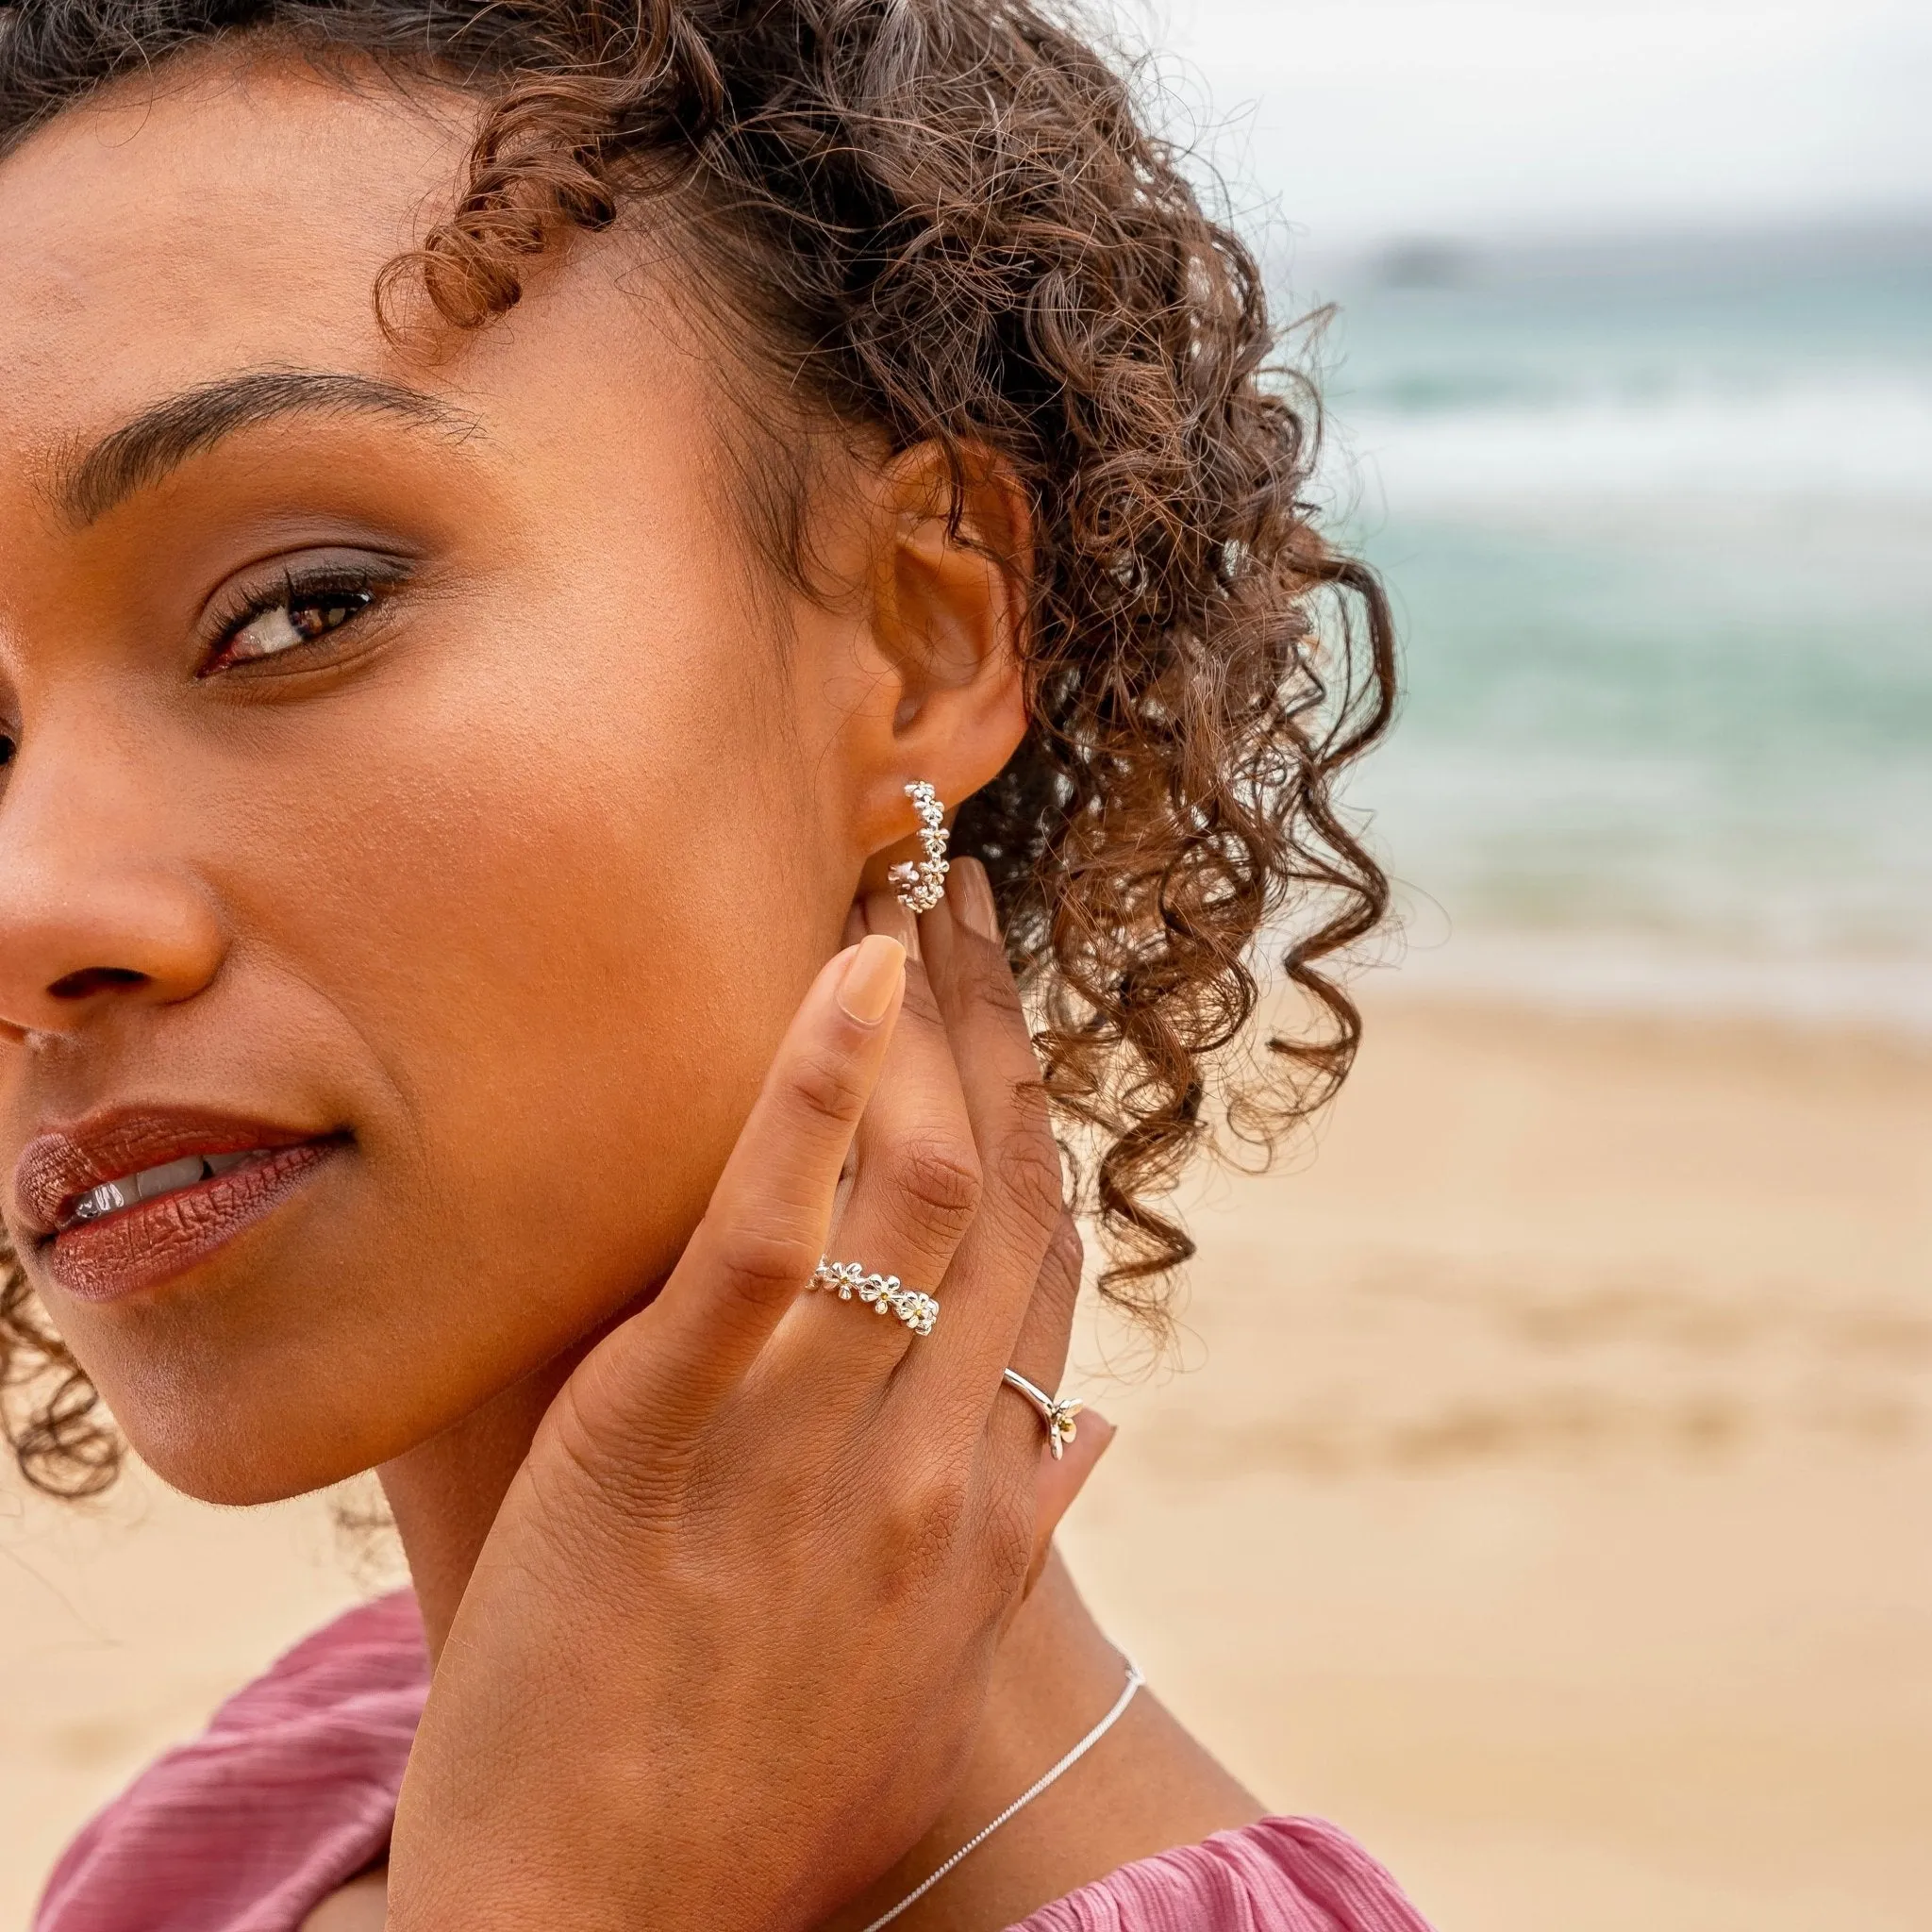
column 725, row 1648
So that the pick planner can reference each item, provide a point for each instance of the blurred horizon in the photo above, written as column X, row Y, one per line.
column 1657, row 520
column 1628, row 394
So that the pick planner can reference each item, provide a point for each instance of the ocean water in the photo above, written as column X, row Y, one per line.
column 1657, row 519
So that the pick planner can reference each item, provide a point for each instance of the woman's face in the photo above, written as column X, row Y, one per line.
column 415, row 793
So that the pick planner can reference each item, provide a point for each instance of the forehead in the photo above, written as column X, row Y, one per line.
column 215, row 219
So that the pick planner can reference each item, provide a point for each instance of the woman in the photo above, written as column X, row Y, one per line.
column 517, row 521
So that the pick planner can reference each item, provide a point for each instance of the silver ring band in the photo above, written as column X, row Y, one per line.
column 885, row 1294
column 1057, row 1414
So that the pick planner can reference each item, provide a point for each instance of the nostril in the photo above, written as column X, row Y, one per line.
column 92, row 980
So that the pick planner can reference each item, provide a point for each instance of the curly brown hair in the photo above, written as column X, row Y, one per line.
column 949, row 223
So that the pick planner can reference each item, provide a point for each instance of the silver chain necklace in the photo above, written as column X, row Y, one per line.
column 1066, row 1764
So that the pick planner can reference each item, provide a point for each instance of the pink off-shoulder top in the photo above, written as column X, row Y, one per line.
column 291, row 1788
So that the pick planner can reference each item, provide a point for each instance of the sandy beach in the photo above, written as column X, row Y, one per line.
column 1545, row 1497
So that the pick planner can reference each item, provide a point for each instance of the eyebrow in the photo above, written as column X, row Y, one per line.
column 143, row 451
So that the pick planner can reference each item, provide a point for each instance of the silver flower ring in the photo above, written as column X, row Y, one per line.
column 885, row 1294
column 1056, row 1413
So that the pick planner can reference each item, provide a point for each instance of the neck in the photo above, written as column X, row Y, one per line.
column 1144, row 1786
column 445, row 1493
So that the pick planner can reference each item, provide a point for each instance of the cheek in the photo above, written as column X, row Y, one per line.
column 568, row 911
column 557, row 927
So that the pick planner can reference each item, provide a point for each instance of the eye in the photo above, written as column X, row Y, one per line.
column 298, row 611
column 298, row 619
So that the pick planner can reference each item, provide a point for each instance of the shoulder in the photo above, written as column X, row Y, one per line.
column 1278, row 1875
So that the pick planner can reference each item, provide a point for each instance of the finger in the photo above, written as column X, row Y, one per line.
column 914, row 1180
column 998, row 1260
column 765, row 1229
column 1057, row 1479
column 1039, row 1351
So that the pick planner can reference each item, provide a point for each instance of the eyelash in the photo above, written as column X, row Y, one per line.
column 320, row 584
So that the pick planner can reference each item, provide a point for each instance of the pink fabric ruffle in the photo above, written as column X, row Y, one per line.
column 290, row 1790
column 292, row 1787
column 1279, row 1874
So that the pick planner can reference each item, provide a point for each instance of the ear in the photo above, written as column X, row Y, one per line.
column 945, row 633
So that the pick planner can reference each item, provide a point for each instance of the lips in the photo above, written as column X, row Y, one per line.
column 126, row 1200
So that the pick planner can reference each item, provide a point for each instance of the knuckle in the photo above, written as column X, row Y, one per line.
column 941, row 1178
column 1066, row 1257
column 760, row 1262
column 931, row 1518
column 1007, row 1537
column 601, row 1471
column 828, row 1085
column 1031, row 1178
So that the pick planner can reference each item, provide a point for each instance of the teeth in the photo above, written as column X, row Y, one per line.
column 105, row 1199
column 151, row 1183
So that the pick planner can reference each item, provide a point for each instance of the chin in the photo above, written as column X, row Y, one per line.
column 239, row 1433
column 223, row 1467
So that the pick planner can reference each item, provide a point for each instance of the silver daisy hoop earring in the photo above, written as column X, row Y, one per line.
column 920, row 883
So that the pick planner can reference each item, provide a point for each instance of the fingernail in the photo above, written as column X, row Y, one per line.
column 971, row 892
column 884, row 914
column 873, row 975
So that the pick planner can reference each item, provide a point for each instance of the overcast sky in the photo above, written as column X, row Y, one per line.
column 1368, row 118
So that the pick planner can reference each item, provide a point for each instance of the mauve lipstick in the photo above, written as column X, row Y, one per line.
column 142, row 1245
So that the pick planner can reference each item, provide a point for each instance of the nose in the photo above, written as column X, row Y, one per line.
column 96, row 911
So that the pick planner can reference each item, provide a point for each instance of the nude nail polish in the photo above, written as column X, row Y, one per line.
column 873, row 975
